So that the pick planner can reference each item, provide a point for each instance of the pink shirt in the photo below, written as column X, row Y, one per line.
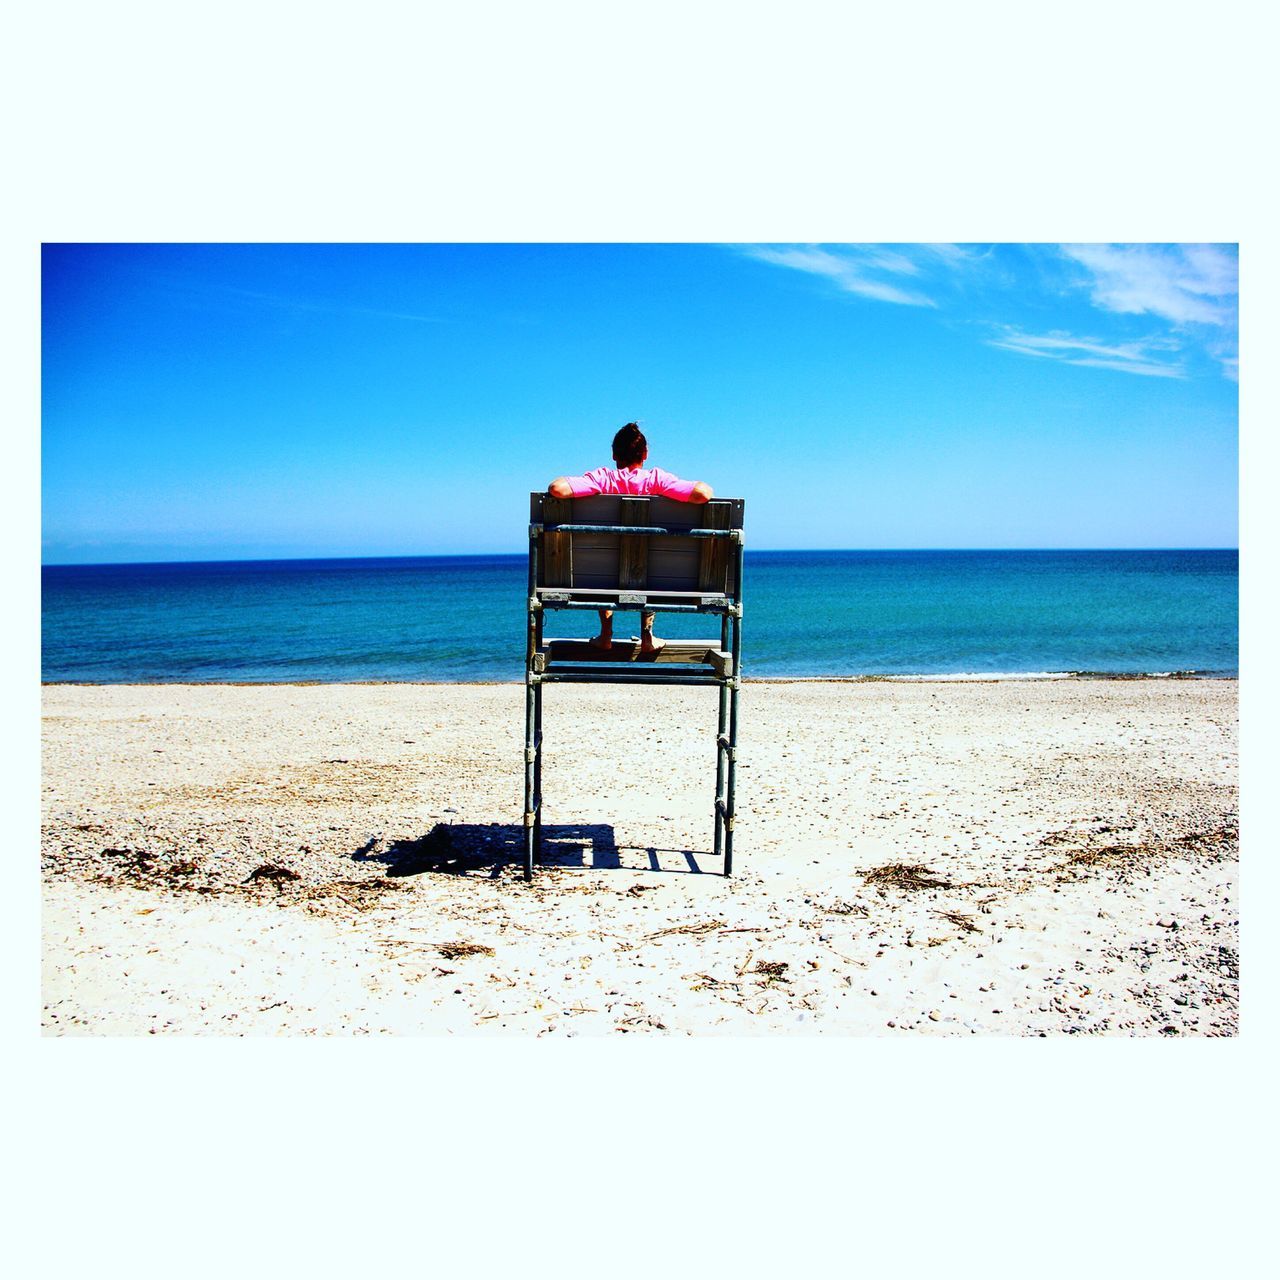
column 640, row 481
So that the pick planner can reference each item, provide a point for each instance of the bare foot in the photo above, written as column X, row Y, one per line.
column 651, row 644
column 601, row 642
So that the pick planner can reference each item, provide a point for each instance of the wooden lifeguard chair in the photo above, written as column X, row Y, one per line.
column 655, row 555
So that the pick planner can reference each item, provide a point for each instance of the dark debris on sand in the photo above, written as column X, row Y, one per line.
column 902, row 875
column 168, row 870
column 144, row 869
column 334, row 896
column 272, row 871
column 772, row 971
column 1141, row 856
column 961, row 921
column 839, row 907
column 702, row 926
column 459, row 950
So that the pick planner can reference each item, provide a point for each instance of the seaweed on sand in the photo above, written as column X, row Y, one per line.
column 362, row 895
column 1113, row 855
column 772, row 971
column 961, row 921
column 705, row 926
column 147, row 870
column 902, row 875
column 459, row 950
column 1126, row 859
column 272, row 871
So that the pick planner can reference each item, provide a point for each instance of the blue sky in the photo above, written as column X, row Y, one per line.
column 231, row 401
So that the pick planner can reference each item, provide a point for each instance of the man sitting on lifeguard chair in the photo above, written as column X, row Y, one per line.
column 631, row 477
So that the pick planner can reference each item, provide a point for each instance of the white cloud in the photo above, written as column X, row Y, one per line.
column 1188, row 291
column 1126, row 357
column 955, row 255
column 1224, row 349
column 1187, row 284
column 857, row 269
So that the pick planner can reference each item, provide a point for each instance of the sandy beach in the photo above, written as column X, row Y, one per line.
column 1008, row 858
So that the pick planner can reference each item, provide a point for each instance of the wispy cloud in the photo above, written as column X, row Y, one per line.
column 868, row 270
column 1187, row 284
column 954, row 255
column 1187, row 292
column 202, row 291
column 1125, row 357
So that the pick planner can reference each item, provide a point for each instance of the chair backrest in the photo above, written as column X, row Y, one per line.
column 657, row 563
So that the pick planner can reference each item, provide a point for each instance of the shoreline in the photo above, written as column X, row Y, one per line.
column 1001, row 677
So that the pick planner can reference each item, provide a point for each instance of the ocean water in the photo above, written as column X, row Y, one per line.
column 810, row 613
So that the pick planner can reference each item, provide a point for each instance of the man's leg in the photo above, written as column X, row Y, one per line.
column 648, row 642
column 605, row 639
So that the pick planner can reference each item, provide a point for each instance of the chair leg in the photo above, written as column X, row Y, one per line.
column 722, row 725
column 529, row 771
column 537, row 772
column 730, row 779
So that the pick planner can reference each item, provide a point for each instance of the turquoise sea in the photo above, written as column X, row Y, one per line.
column 807, row 613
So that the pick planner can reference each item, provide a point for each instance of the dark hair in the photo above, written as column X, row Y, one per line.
column 629, row 446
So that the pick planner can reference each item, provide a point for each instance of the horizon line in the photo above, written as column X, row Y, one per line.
column 520, row 555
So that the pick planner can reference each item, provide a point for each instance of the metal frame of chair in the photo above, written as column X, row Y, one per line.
column 701, row 547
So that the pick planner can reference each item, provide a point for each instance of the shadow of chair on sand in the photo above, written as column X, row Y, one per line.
column 460, row 848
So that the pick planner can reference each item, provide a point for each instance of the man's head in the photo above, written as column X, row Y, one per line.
column 630, row 448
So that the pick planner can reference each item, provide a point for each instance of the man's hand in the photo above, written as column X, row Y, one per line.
column 559, row 488
column 701, row 492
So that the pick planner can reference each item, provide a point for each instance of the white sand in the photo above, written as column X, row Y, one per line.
column 1084, row 832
